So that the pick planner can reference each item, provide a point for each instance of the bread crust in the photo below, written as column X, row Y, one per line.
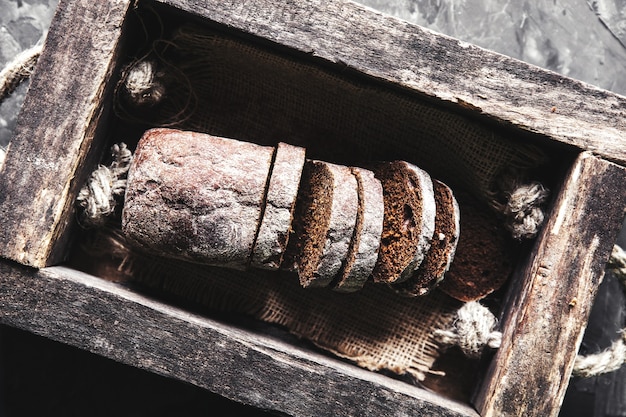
column 485, row 254
column 280, row 201
column 196, row 197
column 364, row 247
column 442, row 249
column 322, row 242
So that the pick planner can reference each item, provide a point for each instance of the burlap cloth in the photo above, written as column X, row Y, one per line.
column 230, row 87
column 374, row 328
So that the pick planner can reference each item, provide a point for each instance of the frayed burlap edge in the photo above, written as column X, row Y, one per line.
column 375, row 328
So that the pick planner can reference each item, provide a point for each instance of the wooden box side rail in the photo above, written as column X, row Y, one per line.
column 480, row 81
column 254, row 369
column 551, row 297
column 45, row 163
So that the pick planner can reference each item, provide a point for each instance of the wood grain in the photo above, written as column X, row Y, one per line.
column 451, row 72
column 550, row 299
column 251, row 368
column 56, row 129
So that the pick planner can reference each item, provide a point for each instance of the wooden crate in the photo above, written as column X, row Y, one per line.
column 64, row 127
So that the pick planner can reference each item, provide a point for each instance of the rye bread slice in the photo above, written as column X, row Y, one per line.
column 442, row 248
column 324, row 223
column 485, row 255
column 196, row 197
column 280, row 202
column 363, row 251
column 409, row 221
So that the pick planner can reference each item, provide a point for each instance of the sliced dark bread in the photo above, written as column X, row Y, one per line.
column 280, row 201
column 324, row 222
column 409, row 221
column 442, row 248
column 363, row 252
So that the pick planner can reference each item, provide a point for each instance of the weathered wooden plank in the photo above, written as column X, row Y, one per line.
column 466, row 76
column 56, row 129
column 551, row 297
column 108, row 319
column 603, row 395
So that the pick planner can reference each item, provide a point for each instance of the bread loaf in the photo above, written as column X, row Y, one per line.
column 195, row 196
column 280, row 201
column 443, row 246
column 363, row 252
column 325, row 221
column 409, row 221
column 236, row 204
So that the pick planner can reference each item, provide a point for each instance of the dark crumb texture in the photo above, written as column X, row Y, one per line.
column 401, row 247
column 280, row 201
column 443, row 246
column 343, row 282
column 363, row 250
column 484, row 257
column 311, row 220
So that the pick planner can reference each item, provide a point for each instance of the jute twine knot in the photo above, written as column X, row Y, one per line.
column 523, row 210
column 142, row 84
column 521, row 203
column 98, row 195
column 472, row 330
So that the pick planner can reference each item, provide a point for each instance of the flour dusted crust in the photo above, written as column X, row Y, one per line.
column 236, row 204
column 195, row 196
column 443, row 245
column 409, row 220
column 280, row 202
column 363, row 252
column 325, row 221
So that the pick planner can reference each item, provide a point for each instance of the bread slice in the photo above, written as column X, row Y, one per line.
column 442, row 248
column 280, row 202
column 196, row 197
column 409, row 221
column 363, row 251
column 485, row 255
column 324, row 223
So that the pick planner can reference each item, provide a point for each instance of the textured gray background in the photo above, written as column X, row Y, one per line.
column 577, row 38
column 22, row 24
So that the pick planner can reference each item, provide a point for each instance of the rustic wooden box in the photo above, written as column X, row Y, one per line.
column 63, row 130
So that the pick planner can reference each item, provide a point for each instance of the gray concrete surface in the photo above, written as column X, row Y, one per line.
column 23, row 23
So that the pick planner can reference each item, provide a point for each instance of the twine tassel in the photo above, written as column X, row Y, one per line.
column 473, row 330
column 98, row 196
column 523, row 210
